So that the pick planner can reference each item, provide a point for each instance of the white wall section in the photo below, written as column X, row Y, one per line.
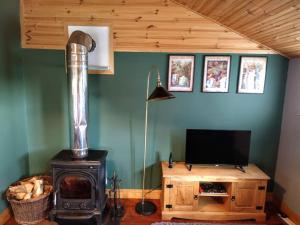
column 287, row 177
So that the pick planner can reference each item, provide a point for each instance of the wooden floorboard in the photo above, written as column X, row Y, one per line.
column 132, row 218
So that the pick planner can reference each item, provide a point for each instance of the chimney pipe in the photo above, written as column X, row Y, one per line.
column 78, row 46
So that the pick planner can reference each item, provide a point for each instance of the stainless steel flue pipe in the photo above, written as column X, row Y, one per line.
column 78, row 46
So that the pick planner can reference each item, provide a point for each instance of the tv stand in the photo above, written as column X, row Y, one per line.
column 213, row 193
column 241, row 168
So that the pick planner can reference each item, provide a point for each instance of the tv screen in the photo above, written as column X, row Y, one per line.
column 217, row 147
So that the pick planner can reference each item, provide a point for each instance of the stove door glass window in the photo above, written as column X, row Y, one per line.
column 76, row 187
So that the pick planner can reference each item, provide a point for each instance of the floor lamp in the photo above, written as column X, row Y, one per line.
column 160, row 93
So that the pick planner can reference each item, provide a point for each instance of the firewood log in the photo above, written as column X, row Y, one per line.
column 27, row 196
column 17, row 189
column 28, row 186
column 38, row 188
column 20, row 196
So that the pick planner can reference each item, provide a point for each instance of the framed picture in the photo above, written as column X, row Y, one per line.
column 181, row 73
column 252, row 74
column 216, row 74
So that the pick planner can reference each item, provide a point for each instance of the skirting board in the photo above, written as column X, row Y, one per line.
column 293, row 216
column 137, row 193
column 155, row 194
column 5, row 216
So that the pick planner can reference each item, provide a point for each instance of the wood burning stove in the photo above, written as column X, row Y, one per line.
column 78, row 173
column 79, row 186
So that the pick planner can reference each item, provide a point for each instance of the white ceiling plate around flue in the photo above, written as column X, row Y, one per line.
column 99, row 58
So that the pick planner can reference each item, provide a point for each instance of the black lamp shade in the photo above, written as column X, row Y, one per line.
column 160, row 93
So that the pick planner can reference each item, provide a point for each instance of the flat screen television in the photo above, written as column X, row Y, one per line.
column 217, row 147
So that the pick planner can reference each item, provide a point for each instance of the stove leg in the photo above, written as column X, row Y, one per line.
column 98, row 219
column 51, row 216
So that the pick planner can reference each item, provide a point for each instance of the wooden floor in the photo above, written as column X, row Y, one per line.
column 132, row 218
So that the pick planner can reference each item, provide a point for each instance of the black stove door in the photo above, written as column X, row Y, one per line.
column 75, row 187
column 76, row 191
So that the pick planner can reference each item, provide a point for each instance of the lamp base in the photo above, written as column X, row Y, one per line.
column 145, row 208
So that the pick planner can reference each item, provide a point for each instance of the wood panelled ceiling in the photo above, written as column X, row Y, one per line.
column 138, row 25
column 273, row 23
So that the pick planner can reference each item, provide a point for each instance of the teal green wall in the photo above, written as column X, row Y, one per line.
column 117, row 106
column 13, row 147
column 47, row 106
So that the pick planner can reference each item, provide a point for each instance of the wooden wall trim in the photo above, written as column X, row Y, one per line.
column 137, row 193
column 5, row 216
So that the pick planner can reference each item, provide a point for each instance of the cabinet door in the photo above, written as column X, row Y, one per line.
column 248, row 196
column 184, row 195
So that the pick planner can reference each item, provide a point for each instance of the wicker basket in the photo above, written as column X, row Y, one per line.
column 31, row 211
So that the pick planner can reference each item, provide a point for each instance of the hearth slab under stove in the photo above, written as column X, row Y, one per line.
column 107, row 219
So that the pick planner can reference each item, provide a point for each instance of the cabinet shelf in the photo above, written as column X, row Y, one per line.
column 212, row 194
column 214, row 189
column 208, row 204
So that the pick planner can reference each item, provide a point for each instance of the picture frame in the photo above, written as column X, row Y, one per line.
column 216, row 74
column 252, row 74
column 181, row 73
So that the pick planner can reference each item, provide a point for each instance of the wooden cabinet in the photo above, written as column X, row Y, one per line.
column 182, row 195
column 243, row 198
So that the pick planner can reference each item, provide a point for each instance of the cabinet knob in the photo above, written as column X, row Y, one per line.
column 232, row 198
column 195, row 197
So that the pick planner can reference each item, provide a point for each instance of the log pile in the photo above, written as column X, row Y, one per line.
column 29, row 189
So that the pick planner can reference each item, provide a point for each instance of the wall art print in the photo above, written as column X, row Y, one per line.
column 252, row 74
column 216, row 74
column 181, row 73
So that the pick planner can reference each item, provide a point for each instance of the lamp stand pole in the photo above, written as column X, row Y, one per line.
column 145, row 207
column 145, row 138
